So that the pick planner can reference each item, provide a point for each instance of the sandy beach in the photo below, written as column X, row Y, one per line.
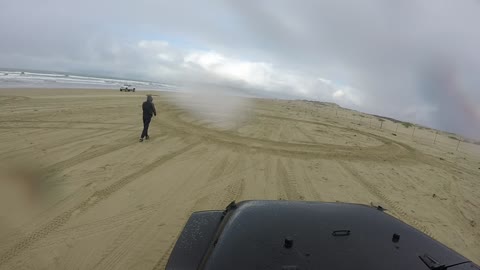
column 79, row 191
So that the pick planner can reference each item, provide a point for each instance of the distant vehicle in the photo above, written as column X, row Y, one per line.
column 293, row 235
column 127, row 88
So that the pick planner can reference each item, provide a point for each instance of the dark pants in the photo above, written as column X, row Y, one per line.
column 146, row 123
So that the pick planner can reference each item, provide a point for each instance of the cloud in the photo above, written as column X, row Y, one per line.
column 254, row 73
column 378, row 56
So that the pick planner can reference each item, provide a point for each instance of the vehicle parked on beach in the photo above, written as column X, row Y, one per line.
column 127, row 88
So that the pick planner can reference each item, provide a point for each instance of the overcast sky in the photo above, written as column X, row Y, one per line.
column 414, row 60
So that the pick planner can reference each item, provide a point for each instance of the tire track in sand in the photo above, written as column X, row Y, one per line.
column 217, row 198
column 15, row 99
column 310, row 138
column 390, row 150
column 64, row 122
column 59, row 143
column 123, row 245
column 286, row 180
column 380, row 195
column 98, row 226
column 219, row 168
column 63, row 128
column 51, row 171
column 213, row 200
column 310, row 188
column 90, row 154
column 119, row 247
column 162, row 263
column 220, row 199
column 94, row 199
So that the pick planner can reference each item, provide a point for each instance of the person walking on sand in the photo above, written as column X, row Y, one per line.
column 148, row 112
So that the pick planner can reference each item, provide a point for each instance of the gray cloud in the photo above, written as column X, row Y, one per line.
column 415, row 60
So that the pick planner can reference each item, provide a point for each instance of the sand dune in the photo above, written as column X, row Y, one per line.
column 92, row 197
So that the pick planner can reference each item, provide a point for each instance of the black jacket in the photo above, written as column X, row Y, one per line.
column 148, row 109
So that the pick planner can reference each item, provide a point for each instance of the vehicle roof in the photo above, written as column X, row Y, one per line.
column 253, row 235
